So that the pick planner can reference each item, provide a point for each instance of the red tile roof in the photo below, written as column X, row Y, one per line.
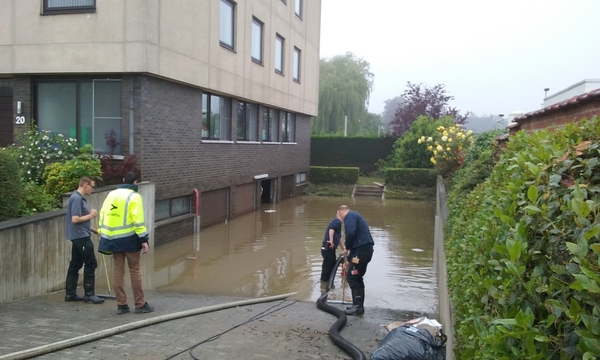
column 565, row 103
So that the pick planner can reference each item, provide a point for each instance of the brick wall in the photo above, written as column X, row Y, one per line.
column 579, row 107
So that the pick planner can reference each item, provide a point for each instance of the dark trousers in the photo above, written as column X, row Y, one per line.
column 82, row 253
column 358, row 268
column 328, row 263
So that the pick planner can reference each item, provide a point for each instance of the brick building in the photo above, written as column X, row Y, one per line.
column 214, row 97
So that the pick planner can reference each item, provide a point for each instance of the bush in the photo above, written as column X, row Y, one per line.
column 523, row 252
column 449, row 146
column 411, row 177
column 338, row 175
column 37, row 200
column 10, row 186
column 113, row 170
column 329, row 190
column 64, row 177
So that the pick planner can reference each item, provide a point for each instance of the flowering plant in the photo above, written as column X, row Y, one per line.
column 448, row 147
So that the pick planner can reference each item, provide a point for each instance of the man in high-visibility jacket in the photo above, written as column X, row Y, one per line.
column 123, row 234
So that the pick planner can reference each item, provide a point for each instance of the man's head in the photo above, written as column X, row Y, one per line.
column 130, row 178
column 342, row 211
column 86, row 185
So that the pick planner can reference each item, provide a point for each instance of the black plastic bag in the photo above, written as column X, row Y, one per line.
column 410, row 343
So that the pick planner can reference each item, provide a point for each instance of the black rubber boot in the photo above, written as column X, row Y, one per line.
column 357, row 301
column 90, row 296
column 71, row 288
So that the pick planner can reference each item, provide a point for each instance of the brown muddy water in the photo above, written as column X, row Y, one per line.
column 276, row 250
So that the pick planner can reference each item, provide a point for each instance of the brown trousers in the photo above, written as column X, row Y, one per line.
column 133, row 262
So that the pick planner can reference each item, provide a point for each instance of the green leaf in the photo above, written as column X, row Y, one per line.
column 504, row 322
column 580, row 249
column 591, row 232
column 532, row 194
column 514, row 251
column 533, row 208
column 585, row 283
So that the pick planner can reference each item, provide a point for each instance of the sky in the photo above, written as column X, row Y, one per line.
column 493, row 57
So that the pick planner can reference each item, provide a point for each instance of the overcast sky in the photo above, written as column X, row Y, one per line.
column 494, row 57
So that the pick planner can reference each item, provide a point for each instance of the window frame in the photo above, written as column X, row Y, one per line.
column 173, row 214
column 222, row 42
column 53, row 10
column 261, row 28
column 296, row 66
column 288, row 127
column 298, row 5
column 279, row 40
column 207, row 104
column 245, row 121
column 301, row 178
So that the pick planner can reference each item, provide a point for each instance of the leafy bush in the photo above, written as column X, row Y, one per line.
column 338, row 175
column 523, row 253
column 10, row 186
column 411, row 177
column 38, row 148
column 113, row 170
column 37, row 200
column 329, row 190
column 64, row 177
column 407, row 152
column 448, row 146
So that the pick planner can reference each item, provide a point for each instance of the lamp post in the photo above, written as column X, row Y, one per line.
column 345, row 124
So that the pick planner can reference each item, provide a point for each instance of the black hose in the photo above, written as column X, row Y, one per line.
column 334, row 331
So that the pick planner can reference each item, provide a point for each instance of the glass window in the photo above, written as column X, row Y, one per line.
column 170, row 208
column 69, row 6
column 297, row 59
column 298, row 7
column 300, row 178
column 216, row 117
column 257, row 41
column 279, row 51
column 265, row 125
column 247, row 121
column 226, row 24
column 86, row 110
column 273, row 125
column 284, row 132
column 288, row 127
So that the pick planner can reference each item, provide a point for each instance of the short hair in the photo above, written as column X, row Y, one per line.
column 85, row 180
column 130, row 177
column 343, row 208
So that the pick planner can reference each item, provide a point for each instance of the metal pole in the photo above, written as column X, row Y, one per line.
column 345, row 124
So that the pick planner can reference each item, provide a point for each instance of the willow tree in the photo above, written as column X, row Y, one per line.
column 345, row 84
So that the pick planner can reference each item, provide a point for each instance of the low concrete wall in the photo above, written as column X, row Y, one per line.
column 34, row 255
column 444, row 303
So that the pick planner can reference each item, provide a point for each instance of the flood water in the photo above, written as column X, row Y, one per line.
column 276, row 250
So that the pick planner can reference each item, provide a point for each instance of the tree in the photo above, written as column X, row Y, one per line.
column 424, row 101
column 345, row 84
column 390, row 107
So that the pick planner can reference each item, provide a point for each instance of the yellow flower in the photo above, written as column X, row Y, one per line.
column 469, row 132
column 432, row 160
column 434, row 152
column 448, row 148
column 430, row 148
column 429, row 139
column 439, row 148
column 449, row 139
column 419, row 141
column 444, row 138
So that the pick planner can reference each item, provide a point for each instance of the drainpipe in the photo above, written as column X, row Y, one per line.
column 197, row 221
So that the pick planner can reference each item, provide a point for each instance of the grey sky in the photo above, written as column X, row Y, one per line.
column 493, row 56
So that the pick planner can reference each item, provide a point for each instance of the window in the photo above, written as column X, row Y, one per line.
column 87, row 110
column 170, row 208
column 69, row 6
column 297, row 60
column 270, row 129
column 257, row 41
column 288, row 127
column 216, row 117
column 298, row 8
column 247, row 128
column 300, row 178
column 226, row 24
column 279, row 50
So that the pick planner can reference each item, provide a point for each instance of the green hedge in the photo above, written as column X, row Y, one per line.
column 338, row 175
column 523, row 249
column 411, row 177
column 10, row 186
column 362, row 152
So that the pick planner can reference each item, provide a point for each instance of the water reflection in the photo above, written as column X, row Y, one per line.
column 269, row 253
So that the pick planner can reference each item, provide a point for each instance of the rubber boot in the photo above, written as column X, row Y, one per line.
column 90, row 296
column 357, row 301
column 71, row 288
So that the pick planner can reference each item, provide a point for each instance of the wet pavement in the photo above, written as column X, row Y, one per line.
column 282, row 329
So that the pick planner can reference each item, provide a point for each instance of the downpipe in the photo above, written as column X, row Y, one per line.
column 334, row 331
column 49, row 348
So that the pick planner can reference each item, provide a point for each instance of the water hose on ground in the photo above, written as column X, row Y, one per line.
column 334, row 331
column 45, row 349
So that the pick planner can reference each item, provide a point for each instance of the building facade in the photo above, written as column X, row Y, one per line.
column 214, row 97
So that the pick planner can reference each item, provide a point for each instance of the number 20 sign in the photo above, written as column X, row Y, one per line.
column 20, row 120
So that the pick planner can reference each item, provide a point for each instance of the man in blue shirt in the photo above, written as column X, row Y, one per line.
column 359, row 251
column 331, row 241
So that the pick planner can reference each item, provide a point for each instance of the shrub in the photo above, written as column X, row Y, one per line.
column 37, row 200
column 448, row 146
column 64, row 177
column 411, row 177
column 10, row 186
column 523, row 254
column 338, row 175
column 113, row 170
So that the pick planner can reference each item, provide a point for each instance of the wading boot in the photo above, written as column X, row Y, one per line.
column 71, row 288
column 357, row 303
column 90, row 296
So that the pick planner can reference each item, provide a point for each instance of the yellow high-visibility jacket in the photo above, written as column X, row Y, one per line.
column 121, row 225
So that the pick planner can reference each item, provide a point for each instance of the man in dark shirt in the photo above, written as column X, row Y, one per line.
column 78, row 229
column 331, row 241
column 359, row 251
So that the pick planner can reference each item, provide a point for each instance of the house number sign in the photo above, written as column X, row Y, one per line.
column 20, row 120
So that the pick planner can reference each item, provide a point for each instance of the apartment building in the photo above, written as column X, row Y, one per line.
column 214, row 97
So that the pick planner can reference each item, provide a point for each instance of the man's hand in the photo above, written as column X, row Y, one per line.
column 144, row 247
column 93, row 213
column 95, row 231
column 330, row 244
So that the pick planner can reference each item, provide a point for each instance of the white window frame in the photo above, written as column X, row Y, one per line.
column 279, row 53
column 227, row 24
column 257, row 40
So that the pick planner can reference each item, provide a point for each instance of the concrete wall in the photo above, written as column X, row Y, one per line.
column 34, row 255
column 444, row 304
column 178, row 40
